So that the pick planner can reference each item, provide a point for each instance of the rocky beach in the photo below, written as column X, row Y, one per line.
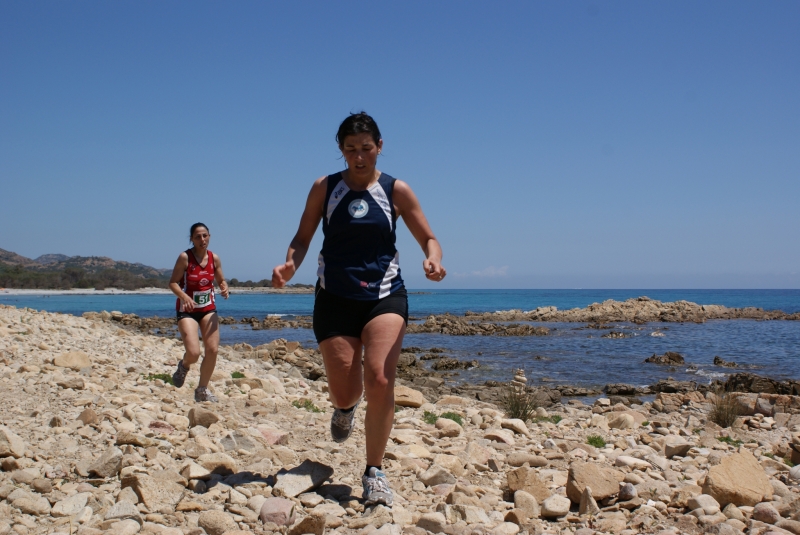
column 93, row 440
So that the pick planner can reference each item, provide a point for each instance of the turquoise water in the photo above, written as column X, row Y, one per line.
column 572, row 354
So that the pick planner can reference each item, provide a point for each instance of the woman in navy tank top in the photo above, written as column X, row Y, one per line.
column 361, row 303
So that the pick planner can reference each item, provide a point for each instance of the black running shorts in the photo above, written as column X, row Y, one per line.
column 339, row 316
column 196, row 316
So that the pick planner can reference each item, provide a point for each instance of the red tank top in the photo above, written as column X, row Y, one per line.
column 198, row 283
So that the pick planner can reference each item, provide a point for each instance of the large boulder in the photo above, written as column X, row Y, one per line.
column 408, row 397
column 739, row 479
column 603, row 480
column 526, row 479
column 74, row 360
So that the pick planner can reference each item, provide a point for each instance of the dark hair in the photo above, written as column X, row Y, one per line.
column 195, row 227
column 358, row 123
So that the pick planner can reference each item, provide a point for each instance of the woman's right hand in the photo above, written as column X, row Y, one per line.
column 188, row 303
column 282, row 274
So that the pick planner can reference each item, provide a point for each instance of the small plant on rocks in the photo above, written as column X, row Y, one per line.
column 645, row 423
column 453, row 416
column 167, row 378
column 553, row 419
column 519, row 402
column 731, row 441
column 429, row 417
column 724, row 409
column 237, row 375
column 306, row 404
column 596, row 440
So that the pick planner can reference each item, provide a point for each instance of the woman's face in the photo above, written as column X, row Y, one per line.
column 361, row 154
column 200, row 238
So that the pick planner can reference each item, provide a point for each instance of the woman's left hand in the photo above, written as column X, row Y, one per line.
column 434, row 271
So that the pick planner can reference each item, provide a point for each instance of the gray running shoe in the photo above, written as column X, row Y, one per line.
column 376, row 488
column 202, row 393
column 342, row 423
column 180, row 375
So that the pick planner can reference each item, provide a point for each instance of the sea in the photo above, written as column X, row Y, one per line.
column 572, row 354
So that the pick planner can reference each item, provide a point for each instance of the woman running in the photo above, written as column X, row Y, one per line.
column 361, row 303
column 198, row 268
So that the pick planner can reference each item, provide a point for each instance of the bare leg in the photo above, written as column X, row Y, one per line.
column 342, row 358
column 383, row 339
column 209, row 326
column 191, row 343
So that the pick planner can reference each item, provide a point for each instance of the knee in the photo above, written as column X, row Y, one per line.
column 379, row 387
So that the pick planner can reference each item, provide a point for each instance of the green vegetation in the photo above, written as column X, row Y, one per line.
column 306, row 404
column 724, row 409
column 161, row 376
column 769, row 454
column 263, row 283
column 237, row 375
column 788, row 462
column 76, row 277
column 519, row 402
column 730, row 441
column 596, row 440
column 645, row 423
column 453, row 416
column 429, row 417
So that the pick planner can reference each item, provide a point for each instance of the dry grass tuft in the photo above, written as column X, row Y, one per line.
column 519, row 402
column 724, row 409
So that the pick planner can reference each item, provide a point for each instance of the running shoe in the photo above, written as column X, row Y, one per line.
column 202, row 393
column 342, row 423
column 180, row 375
column 376, row 488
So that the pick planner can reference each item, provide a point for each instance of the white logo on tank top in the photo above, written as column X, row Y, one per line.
column 358, row 208
column 203, row 281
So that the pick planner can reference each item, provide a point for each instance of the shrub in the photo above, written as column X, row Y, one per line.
column 429, row 417
column 645, row 423
column 237, row 375
column 162, row 376
column 596, row 440
column 724, row 409
column 519, row 402
column 306, row 404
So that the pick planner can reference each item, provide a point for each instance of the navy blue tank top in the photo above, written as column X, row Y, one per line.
column 358, row 258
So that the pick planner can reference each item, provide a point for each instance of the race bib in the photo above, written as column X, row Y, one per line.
column 202, row 298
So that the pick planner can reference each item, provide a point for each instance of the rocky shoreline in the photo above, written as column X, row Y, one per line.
column 92, row 441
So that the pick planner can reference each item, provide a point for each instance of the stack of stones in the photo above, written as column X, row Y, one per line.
column 519, row 379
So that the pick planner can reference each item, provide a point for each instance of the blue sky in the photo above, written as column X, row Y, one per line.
column 552, row 144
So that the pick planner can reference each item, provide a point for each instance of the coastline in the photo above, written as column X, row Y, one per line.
column 146, row 291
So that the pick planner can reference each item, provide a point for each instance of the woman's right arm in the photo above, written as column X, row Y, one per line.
column 174, row 282
column 302, row 239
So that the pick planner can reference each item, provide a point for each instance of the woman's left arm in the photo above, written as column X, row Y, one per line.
column 407, row 206
column 220, row 278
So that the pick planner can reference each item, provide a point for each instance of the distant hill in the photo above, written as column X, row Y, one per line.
column 58, row 271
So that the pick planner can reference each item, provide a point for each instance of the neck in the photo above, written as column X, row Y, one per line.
column 200, row 252
column 361, row 180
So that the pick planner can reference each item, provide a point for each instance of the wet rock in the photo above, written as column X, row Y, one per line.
column 725, row 364
column 670, row 358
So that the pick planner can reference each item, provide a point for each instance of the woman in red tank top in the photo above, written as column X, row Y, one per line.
column 197, row 269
